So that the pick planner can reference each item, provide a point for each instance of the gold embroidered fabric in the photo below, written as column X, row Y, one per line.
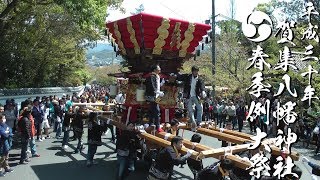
column 133, row 36
column 163, row 33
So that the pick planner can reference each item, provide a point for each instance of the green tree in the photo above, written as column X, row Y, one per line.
column 43, row 42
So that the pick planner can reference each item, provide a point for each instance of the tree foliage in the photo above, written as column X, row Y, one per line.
column 43, row 42
column 292, row 11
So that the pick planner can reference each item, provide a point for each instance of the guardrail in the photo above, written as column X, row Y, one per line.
column 32, row 91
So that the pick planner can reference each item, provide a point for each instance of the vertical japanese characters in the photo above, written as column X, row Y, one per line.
column 282, row 113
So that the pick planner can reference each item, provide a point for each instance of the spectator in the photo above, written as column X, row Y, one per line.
column 231, row 112
column 26, row 126
column 10, row 114
column 45, row 123
column 38, row 116
column 58, row 113
column 5, row 144
column 241, row 115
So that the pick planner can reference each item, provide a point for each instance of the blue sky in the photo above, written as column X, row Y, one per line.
column 190, row 10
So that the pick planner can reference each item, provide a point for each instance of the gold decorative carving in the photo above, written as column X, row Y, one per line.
column 119, row 41
column 163, row 33
column 176, row 36
column 188, row 37
column 133, row 36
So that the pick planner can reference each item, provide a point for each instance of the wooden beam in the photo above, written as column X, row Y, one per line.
column 240, row 140
column 165, row 143
column 88, row 104
column 234, row 133
column 186, row 143
column 222, row 136
column 224, row 150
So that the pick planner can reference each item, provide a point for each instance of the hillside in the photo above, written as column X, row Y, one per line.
column 102, row 55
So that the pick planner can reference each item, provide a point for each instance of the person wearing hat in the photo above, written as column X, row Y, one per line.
column 193, row 91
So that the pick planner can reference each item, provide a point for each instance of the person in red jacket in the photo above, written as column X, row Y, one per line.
column 27, row 129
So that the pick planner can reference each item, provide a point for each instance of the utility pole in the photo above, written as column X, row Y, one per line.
column 213, row 41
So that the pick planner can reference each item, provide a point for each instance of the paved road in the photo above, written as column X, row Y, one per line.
column 55, row 163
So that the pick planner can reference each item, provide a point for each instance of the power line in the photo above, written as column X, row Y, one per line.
column 174, row 11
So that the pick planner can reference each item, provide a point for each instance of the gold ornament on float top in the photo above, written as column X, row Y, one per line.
column 163, row 33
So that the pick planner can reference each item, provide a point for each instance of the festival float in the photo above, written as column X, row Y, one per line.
column 144, row 40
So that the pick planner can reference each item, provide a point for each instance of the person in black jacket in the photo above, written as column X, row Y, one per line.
column 38, row 116
column 77, row 125
column 69, row 116
column 126, row 146
column 162, row 169
column 195, row 165
column 241, row 115
column 193, row 90
column 58, row 113
column 152, row 93
column 24, row 125
column 218, row 171
column 95, row 130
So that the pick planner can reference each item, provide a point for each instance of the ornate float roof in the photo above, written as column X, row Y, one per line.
column 145, row 36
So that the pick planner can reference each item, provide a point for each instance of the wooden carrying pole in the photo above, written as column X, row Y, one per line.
column 88, row 104
column 206, row 152
column 225, row 135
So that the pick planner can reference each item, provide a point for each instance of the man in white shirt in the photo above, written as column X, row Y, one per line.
column 120, row 98
column 193, row 91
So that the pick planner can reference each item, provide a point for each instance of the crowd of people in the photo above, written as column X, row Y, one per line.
column 33, row 121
